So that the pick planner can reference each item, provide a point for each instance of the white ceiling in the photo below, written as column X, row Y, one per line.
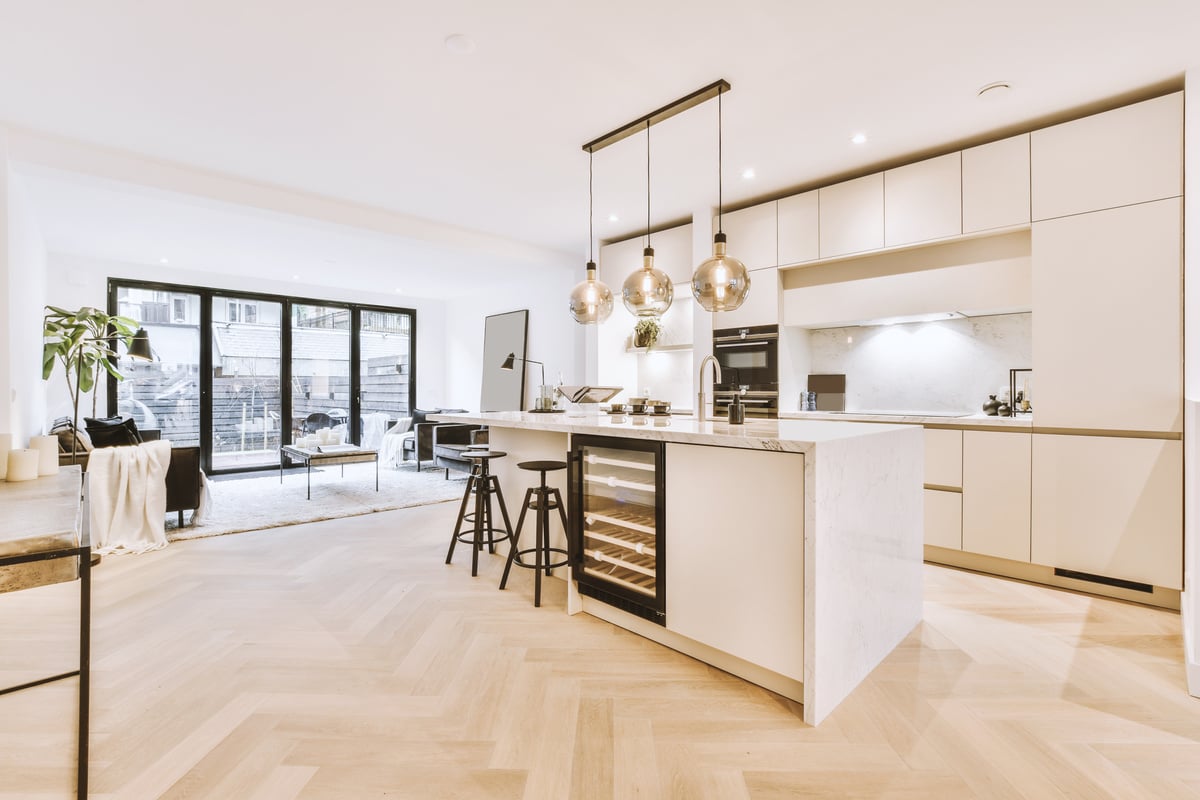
column 360, row 101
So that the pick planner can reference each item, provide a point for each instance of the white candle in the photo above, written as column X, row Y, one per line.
column 5, row 446
column 47, row 448
column 22, row 465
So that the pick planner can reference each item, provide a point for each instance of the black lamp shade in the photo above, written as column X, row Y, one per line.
column 139, row 345
column 508, row 362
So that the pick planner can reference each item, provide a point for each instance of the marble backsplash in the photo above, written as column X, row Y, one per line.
column 945, row 366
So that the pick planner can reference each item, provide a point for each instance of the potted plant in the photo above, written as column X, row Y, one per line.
column 83, row 341
column 646, row 331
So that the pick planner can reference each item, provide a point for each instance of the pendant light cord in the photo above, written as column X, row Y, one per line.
column 647, row 183
column 720, row 170
column 591, row 207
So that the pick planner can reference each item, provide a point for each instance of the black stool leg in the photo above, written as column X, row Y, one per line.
column 508, row 528
column 462, row 510
column 515, row 540
column 566, row 529
column 481, row 504
column 540, row 556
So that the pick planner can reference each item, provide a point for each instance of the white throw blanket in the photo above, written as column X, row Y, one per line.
column 127, row 491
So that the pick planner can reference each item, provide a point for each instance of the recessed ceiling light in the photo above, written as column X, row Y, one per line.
column 748, row 173
column 613, row 218
column 398, row 290
column 994, row 90
column 859, row 138
column 460, row 44
column 162, row 261
column 295, row 277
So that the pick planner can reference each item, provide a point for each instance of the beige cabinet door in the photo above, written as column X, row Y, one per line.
column 799, row 229
column 1128, row 155
column 851, row 216
column 1111, row 507
column 751, row 234
column 943, row 519
column 943, row 458
column 995, row 185
column 1107, row 324
column 745, row 601
column 618, row 260
column 923, row 201
column 996, row 494
column 761, row 306
column 673, row 254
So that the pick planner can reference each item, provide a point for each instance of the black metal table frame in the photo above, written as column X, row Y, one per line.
column 308, row 459
column 84, row 554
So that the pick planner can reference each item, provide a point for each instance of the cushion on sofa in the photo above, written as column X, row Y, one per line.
column 418, row 415
column 112, row 431
column 64, row 429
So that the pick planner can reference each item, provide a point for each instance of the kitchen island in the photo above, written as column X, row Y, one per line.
column 793, row 548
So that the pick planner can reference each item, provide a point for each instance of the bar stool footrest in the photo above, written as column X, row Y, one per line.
column 552, row 565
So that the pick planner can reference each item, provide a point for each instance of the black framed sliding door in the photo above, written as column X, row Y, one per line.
column 241, row 373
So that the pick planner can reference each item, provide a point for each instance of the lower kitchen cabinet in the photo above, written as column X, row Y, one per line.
column 943, row 519
column 745, row 600
column 1110, row 507
column 996, row 494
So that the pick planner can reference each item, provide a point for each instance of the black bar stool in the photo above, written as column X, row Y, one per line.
column 542, row 499
column 483, row 484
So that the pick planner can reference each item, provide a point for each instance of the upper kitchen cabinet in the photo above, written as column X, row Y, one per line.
column 751, row 233
column 799, row 229
column 1107, row 332
column 673, row 253
column 1128, row 155
column 851, row 216
column 923, row 201
column 761, row 306
column 995, row 185
column 618, row 260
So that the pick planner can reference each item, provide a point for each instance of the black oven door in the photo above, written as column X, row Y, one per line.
column 752, row 354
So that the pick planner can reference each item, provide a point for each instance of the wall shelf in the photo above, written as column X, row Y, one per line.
column 660, row 348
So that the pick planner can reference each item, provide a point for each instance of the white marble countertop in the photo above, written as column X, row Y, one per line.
column 977, row 420
column 41, row 514
column 784, row 435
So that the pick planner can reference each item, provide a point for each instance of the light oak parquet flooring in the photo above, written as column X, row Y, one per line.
column 342, row 659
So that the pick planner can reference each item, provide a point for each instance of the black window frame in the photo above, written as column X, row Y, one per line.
column 207, row 296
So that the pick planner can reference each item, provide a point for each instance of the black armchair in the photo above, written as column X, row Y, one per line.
column 451, row 440
column 419, row 446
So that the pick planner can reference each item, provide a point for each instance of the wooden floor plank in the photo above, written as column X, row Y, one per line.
column 344, row 659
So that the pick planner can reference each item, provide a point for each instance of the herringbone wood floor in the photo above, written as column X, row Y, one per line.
column 344, row 660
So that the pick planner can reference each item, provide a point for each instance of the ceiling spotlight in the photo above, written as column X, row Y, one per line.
column 162, row 261
column 748, row 173
column 859, row 138
column 295, row 277
column 613, row 218
column 460, row 44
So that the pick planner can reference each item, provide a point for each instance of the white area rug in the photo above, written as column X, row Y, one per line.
column 248, row 504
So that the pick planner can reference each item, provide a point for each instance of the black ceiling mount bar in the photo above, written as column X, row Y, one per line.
column 654, row 117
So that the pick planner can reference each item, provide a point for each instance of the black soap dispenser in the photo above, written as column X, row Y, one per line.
column 737, row 411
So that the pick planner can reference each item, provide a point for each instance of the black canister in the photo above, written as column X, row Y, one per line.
column 737, row 411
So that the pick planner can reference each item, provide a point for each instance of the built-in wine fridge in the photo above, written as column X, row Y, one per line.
column 618, row 522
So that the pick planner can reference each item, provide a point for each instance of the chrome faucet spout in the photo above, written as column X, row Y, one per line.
column 701, row 398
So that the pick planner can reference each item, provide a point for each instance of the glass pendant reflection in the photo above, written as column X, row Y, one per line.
column 591, row 300
column 648, row 292
column 720, row 283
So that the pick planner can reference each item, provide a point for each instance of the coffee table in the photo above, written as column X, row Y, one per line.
column 327, row 454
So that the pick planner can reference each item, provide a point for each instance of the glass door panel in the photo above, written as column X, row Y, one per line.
column 320, row 370
column 246, row 396
column 384, row 372
column 163, row 394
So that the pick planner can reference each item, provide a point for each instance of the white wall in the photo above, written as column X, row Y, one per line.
column 22, row 297
column 554, row 338
column 1191, row 382
column 76, row 281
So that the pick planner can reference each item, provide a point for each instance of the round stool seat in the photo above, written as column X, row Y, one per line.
column 484, row 454
column 542, row 466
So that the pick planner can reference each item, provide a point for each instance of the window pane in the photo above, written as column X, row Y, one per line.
column 245, row 385
column 163, row 394
column 384, row 372
column 320, row 369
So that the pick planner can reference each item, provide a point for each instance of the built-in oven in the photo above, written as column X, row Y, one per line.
column 749, row 359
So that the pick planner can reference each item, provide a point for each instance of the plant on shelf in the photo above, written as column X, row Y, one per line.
column 646, row 332
column 84, row 342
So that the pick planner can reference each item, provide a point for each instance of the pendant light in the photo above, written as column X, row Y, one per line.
column 721, row 282
column 648, row 291
column 591, row 300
